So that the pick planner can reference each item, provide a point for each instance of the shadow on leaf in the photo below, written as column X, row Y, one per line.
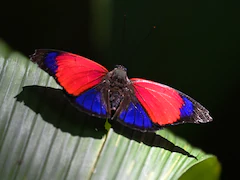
column 55, row 109
column 149, row 138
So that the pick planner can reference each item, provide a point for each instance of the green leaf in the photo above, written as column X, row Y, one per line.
column 208, row 169
column 43, row 137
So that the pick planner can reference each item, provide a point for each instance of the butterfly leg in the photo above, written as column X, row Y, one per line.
column 108, row 103
column 124, row 104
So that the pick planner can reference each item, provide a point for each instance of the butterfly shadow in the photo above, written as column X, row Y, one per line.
column 150, row 139
column 55, row 109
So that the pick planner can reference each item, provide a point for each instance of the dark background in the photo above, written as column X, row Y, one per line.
column 194, row 48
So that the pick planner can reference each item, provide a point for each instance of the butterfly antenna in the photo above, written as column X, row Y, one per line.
column 141, row 42
column 124, row 35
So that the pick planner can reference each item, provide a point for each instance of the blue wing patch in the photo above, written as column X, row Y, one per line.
column 136, row 116
column 91, row 101
column 187, row 108
column 50, row 61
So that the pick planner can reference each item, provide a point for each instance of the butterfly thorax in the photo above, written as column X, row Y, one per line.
column 118, row 86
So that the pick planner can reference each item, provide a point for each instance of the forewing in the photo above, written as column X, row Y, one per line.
column 74, row 73
column 79, row 77
column 165, row 105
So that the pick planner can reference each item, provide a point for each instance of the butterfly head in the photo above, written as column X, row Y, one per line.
column 121, row 67
column 120, row 72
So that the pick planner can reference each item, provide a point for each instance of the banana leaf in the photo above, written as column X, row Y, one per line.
column 42, row 136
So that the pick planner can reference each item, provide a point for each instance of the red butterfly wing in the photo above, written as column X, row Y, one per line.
column 165, row 105
column 73, row 72
column 78, row 76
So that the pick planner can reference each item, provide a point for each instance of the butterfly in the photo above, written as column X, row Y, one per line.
column 137, row 103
